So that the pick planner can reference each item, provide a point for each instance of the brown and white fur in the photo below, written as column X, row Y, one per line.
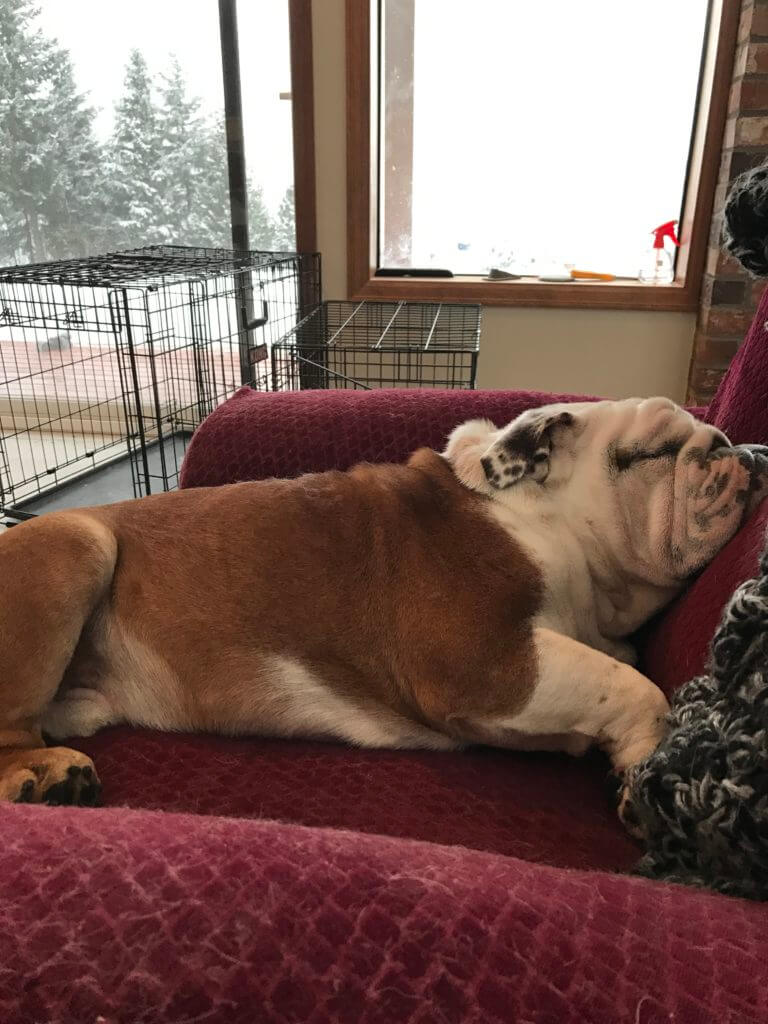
column 417, row 606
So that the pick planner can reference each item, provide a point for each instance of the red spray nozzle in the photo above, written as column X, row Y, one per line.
column 664, row 231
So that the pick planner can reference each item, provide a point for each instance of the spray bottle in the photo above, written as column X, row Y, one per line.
column 658, row 267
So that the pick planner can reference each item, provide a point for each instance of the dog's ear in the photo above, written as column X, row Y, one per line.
column 523, row 448
column 466, row 446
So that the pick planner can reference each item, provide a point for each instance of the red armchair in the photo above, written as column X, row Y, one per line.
column 253, row 880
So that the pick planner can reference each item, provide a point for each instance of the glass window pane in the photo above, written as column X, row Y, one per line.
column 117, row 138
column 516, row 132
column 112, row 127
column 265, row 75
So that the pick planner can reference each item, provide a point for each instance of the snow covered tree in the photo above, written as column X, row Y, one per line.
column 179, row 126
column 193, row 168
column 261, row 229
column 208, row 222
column 138, row 213
column 285, row 226
column 193, row 173
column 51, row 170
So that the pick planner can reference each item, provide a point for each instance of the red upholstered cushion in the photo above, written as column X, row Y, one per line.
column 255, row 435
column 740, row 407
column 677, row 645
column 138, row 918
column 544, row 808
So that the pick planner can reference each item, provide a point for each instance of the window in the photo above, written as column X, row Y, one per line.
column 113, row 132
column 537, row 136
column 531, row 138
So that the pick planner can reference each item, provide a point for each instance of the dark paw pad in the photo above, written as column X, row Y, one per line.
column 80, row 787
column 26, row 793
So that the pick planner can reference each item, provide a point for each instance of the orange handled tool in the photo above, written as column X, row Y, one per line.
column 592, row 275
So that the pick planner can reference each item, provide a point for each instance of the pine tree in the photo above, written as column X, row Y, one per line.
column 51, row 194
column 183, row 168
column 285, row 227
column 193, row 173
column 209, row 221
column 138, row 212
column 261, row 229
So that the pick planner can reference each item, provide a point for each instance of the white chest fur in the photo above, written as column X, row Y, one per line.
column 575, row 602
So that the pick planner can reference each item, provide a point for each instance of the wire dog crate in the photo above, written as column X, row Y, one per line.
column 367, row 345
column 121, row 356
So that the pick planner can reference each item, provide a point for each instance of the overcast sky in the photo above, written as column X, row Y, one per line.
column 101, row 33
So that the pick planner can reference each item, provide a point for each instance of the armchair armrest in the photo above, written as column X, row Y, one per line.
column 122, row 916
column 254, row 435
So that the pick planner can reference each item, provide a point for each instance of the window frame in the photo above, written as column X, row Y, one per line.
column 302, row 119
column 362, row 75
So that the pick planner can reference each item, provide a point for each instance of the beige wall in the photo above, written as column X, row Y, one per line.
column 611, row 353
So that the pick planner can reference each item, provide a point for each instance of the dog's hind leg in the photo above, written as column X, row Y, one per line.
column 54, row 572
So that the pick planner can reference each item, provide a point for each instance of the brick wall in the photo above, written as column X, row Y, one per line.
column 729, row 295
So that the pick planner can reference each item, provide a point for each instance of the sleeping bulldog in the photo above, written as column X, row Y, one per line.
column 482, row 595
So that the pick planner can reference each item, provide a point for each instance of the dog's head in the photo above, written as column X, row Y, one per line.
column 665, row 490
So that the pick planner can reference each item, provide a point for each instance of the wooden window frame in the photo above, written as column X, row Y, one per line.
column 362, row 190
column 303, row 111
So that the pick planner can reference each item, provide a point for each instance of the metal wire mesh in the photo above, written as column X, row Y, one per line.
column 123, row 355
column 367, row 345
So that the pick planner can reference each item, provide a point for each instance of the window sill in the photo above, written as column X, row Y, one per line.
column 675, row 297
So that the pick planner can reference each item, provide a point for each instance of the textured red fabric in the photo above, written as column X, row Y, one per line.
column 554, row 810
column 740, row 407
column 677, row 644
column 254, row 436
column 125, row 917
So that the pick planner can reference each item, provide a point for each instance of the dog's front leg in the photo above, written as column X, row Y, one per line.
column 589, row 697
column 582, row 697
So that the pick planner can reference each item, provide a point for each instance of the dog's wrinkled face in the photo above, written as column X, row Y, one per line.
column 663, row 490
column 617, row 437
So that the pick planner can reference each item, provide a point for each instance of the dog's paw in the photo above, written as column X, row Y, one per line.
column 80, row 786
column 49, row 775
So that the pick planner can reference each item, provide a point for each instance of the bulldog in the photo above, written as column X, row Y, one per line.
column 481, row 595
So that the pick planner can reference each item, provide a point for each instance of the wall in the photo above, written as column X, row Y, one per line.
column 611, row 353
column 729, row 295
